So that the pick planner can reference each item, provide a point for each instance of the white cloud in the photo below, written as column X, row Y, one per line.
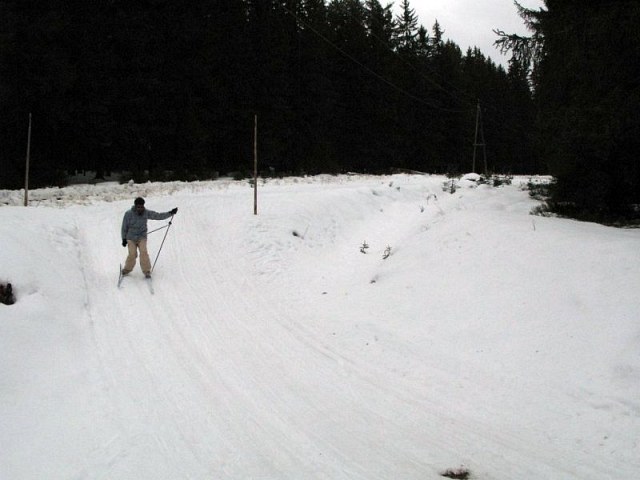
column 470, row 23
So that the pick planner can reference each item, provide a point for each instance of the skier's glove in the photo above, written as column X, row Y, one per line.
column 124, row 242
column 174, row 211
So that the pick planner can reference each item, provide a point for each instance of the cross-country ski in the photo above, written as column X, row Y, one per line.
column 120, row 277
column 149, row 282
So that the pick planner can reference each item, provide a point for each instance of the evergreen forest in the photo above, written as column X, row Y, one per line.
column 169, row 89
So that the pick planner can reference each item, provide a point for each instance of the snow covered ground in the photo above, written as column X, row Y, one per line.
column 488, row 339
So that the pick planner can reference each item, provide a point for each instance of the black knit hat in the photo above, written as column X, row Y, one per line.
column 139, row 201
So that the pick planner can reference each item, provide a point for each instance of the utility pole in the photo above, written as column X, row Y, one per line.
column 475, row 141
column 255, row 164
column 26, row 172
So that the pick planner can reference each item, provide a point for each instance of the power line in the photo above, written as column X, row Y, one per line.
column 430, row 104
column 418, row 70
column 369, row 70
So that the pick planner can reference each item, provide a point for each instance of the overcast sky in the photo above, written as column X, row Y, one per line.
column 471, row 23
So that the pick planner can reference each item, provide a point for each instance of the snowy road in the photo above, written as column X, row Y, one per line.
column 273, row 349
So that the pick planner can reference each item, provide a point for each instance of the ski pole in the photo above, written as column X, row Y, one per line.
column 163, row 239
column 159, row 228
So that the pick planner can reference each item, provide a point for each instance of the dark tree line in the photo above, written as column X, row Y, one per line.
column 585, row 69
column 156, row 86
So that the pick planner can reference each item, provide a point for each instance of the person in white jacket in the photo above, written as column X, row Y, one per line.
column 134, row 235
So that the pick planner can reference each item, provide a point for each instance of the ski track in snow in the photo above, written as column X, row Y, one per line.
column 273, row 349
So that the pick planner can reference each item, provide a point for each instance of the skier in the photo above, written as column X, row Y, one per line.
column 134, row 235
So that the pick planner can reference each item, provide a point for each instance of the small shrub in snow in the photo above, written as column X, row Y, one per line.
column 499, row 180
column 6, row 294
column 387, row 252
column 459, row 473
column 449, row 186
column 539, row 191
column 301, row 235
column 364, row 247
column 542, row 211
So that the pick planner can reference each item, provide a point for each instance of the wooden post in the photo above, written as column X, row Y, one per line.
column 26, row 173
column 255, row 164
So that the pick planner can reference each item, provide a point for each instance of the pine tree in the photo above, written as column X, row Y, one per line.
column 407, row 28
column 586, row 99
